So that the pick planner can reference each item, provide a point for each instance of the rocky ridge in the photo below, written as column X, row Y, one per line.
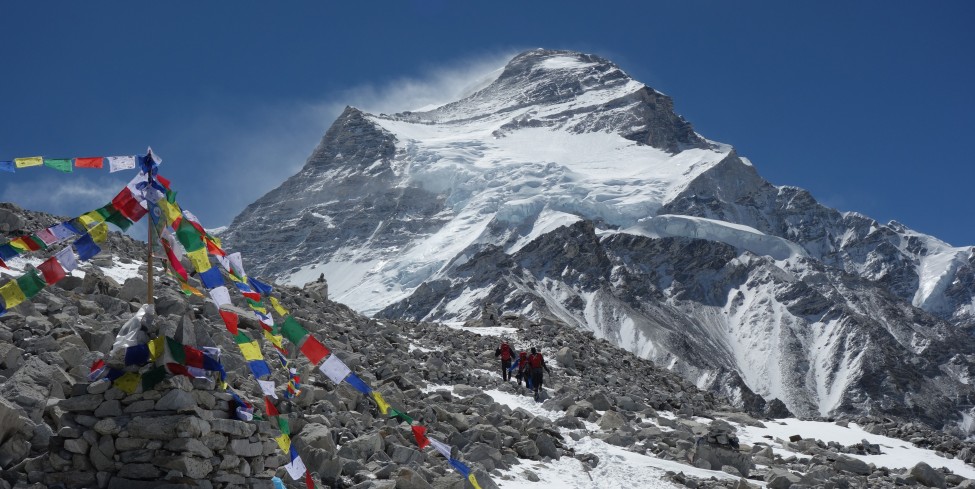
column 59, row 430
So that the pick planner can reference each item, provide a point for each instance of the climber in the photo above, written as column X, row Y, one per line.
column 505, row 352
column 535, row 364
column 522, row 365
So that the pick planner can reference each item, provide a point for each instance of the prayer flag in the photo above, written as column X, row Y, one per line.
column 60, row 231
column 59, row 164
column 473, row 480
column 441, row 447
column 334, row 368
column 128, row 205
column 269, row 408
column 259, row 286
column 52, row 270
column 8, row 251
column 28, row 162
column 169, row 210
column 403, row 417
column 12, row 295
column 47, row 237
column 173, row 260
column 251, row 351
column 96, row 162
column 296, row 468
column 4, row 265
column 220, row 296
column 267, row 387
column 91, row 219
column 463, row 469
column 119, row 220
column 24, row 243
column 153, row 377
column 357, row 383
column 86, row 247
column 7, row 166
column 212, row 278
column 67, row 259
column 157, row 348
column 275, row 340
column 192, row 357
column 99, row 233
column 175, row 351
column 231, row 320
column 189, row 236
column 97, row 369
column 41, row 245
column 199, row 259
column 380, row 402
column 420, row 433
column 277, row 306
column 129, row 382
column 137, row 355
column 259, row 368
column 314, row 350
column 118, row 163
column 293, row 331
column 30, row 283
column 284, row 442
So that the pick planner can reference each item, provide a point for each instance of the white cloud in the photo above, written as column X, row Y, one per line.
column 69, row 197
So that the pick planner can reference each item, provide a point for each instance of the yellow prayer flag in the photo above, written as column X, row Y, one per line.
column 284, row 441
column 99, row 233
column 260, row 309
column 276, row 340
column 91, row 219
column 473, row 481
column 19, row 244
column 200, row 260
column 251, row 351
column 157, row 348
column 12, row 295
column 277, row 306
column 31, row 161
column 383, row 405
column 170, row 211
column 128, row 382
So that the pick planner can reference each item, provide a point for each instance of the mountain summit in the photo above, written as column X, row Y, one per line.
column 565, row 191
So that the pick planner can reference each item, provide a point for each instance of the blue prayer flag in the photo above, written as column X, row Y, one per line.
column 463, row 469
column 137, row 355
column 7, row 252
column 259, row 368
column 259, row 286
column 86, row 247
column 212, row 278
column 8, row 166
column 114, row 373
column 358, row 384
column 73, row 227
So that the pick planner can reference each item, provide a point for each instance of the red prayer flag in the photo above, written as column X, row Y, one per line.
column 271, row 410
column 309, row 483
column 231, row 320
column 314, row 350
column 194, row 357
column 174, row 262
column 52, row 270
column 420, row 433
column 177, row 369
column 254, row 296
column 213, row 249
column 163, row 180
column 127, row 204
column 28, row 243
column 96, row 162
column 4, row 265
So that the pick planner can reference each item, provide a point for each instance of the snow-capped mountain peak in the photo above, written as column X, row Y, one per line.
column 564, row 190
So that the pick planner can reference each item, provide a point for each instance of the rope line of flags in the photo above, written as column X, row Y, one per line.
column 181, row 235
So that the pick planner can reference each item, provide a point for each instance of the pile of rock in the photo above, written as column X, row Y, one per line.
column 180, row 433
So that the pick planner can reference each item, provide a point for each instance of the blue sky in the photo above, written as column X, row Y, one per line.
column 868, row 104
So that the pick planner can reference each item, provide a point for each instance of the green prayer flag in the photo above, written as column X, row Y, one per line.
column 393, row 413
column 171, row 196
column 188, row 236
column 153, row 377
column 241, row 338
column 60, row 164
column 176, row 351
column 31, row 283
column 253, row 303
column 283, row 425
column 119, row 220
column 293, row 331
column 39, row 241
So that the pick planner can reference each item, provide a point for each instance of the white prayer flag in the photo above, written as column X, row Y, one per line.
column 265, row 318
column 67, row 259
column 267, row 386
column 119, row 163
column 61, row 231
column 441, row 447
column 156, row 158
column 296, row 468
column 334, row 368
column 237, row 264
column 220, row 296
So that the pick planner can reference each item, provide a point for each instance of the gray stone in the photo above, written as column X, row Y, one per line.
column 781, row 478
column 852, row 465
column 611, row 420
column 76, row 445
column 190, row 446
column 408, row 479
column 108, row 409
column 527, row 449
column 244, row 448
column 717, row 456
column 233, row 427
column 191, row 467
column 141, row 471
column 362, row 447
column 926, row 475
column 177, row 400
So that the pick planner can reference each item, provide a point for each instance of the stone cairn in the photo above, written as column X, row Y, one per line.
column 179, row 434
